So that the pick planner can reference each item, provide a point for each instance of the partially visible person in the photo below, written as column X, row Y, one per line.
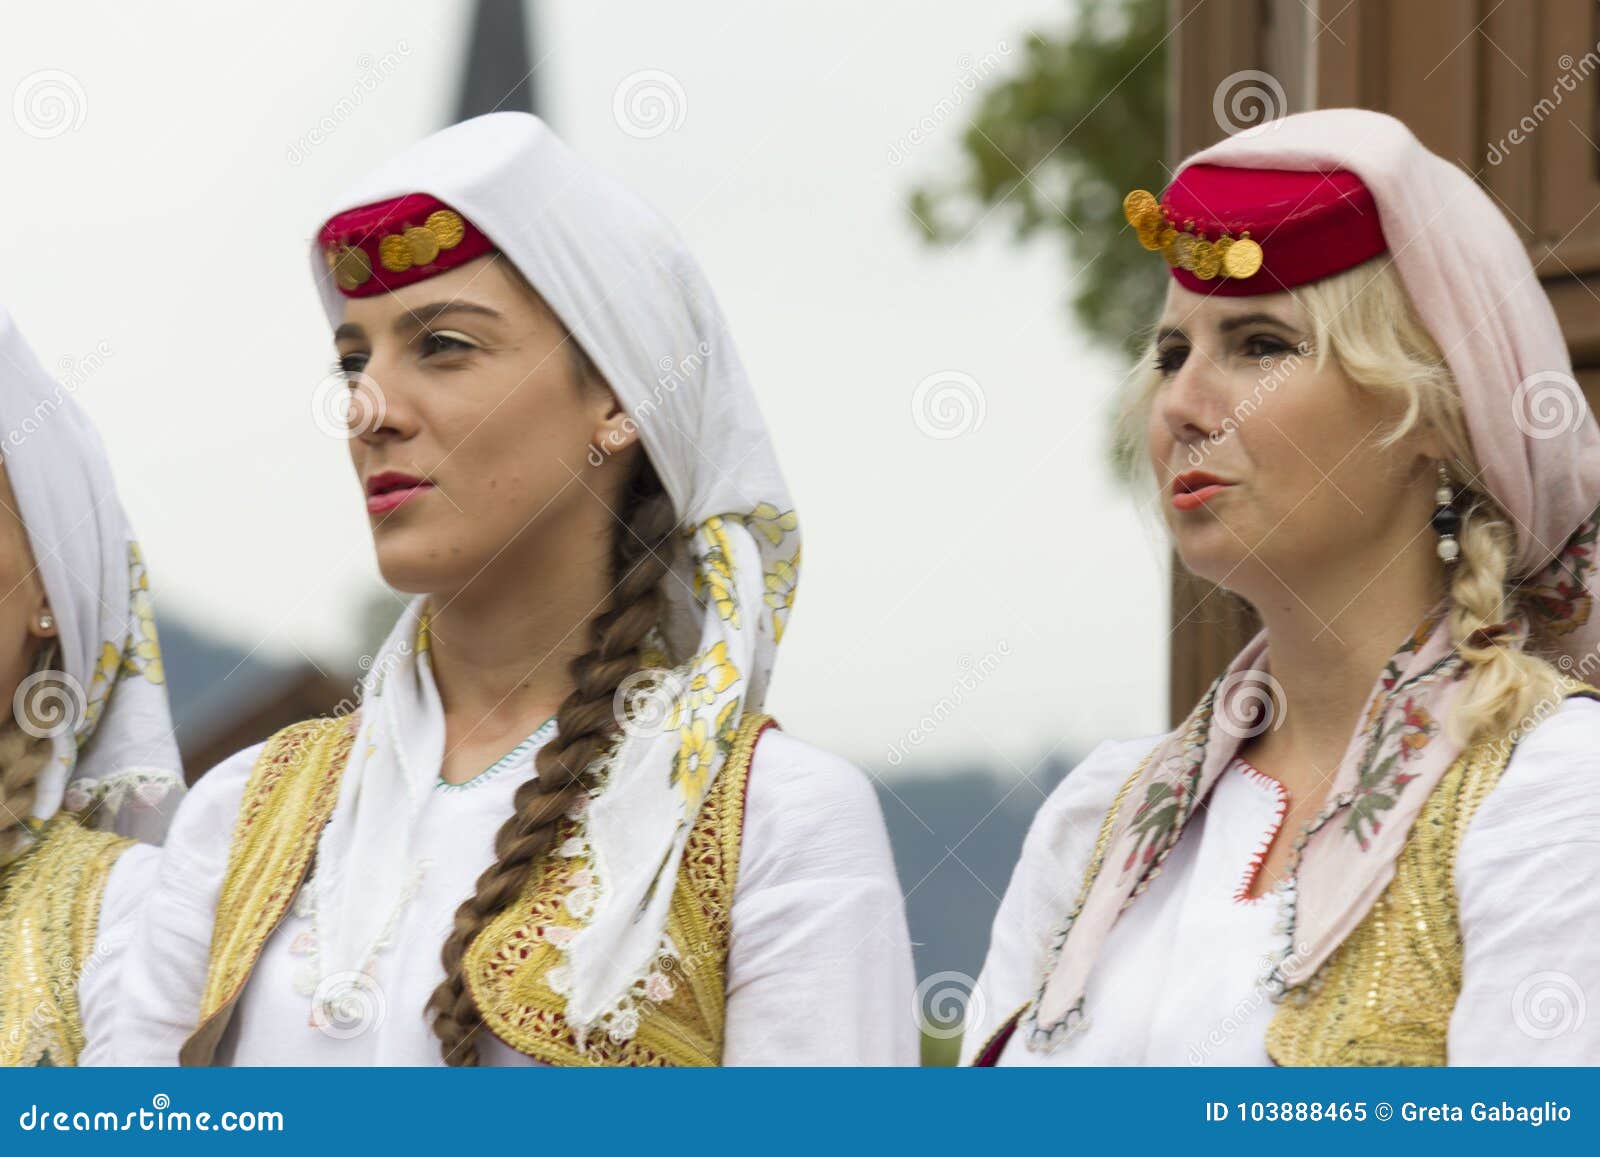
column 87, row 758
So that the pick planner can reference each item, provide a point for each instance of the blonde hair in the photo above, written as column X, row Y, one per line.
column 1365, row 321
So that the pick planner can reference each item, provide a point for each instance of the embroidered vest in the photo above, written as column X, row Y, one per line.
column 675, row 1015
column 49, row 915
column 1385, row 996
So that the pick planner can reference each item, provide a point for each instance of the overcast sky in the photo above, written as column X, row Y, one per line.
column 166, row 163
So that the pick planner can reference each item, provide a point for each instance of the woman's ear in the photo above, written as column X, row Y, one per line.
column 617, row 430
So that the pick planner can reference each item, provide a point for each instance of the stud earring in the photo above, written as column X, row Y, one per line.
column 1446, row 520
column 47, row 622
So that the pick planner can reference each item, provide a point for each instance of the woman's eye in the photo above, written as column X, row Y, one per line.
column 351, row 364
column 443, row 343
column 1264, row 346
column 1171, row 359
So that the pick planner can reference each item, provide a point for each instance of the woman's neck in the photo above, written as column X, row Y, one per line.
column 1326, row 653
column 502, row 647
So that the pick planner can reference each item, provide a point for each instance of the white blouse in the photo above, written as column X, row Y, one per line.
column 1179, row 978
column 819, row 968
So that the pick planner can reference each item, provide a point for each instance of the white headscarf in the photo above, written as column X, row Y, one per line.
column 104, row 706
column 620, row 279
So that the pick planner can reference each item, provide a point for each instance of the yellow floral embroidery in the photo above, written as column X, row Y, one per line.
column 698, row 747
column 770, row 522
column 713, row 581
column 781, row 581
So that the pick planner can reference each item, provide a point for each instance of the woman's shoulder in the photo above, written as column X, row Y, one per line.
column 809, row 811
column 1549, row 790
column 207, row 812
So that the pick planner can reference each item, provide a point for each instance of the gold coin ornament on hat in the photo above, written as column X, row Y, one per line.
column 1225, row 257
column 420, row 244
column 447, row 227
column 350, row 267
column 1243, row 258
column 1207, row 262
column 423, row 244
column 395, row 253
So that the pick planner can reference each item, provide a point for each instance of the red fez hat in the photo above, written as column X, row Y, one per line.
column 1239, row 232
column 380, row 247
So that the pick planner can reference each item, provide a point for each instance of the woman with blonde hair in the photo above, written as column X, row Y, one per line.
column 559, row 829
column 1374, row 839
column 87, row 759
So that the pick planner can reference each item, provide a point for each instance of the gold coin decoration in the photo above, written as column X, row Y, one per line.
column 1227, row 256
column 448, row 227
column 1243, row 258
column 423, row 244
column 350, row 267
column 398, row 252
column 394, row 253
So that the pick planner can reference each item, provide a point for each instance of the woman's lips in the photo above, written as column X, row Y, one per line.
column 391, row 489
column 389, row 499
column 1193, row 490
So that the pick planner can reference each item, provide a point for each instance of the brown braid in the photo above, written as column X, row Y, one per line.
column 585, row 728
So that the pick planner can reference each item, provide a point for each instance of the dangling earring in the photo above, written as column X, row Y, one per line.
column 1446, row 520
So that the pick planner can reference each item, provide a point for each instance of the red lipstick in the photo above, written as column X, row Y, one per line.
column 391, row 488
column 1194, row 488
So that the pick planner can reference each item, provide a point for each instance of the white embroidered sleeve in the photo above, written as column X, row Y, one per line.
column 819, row 968
column 1528, row 881
column 164, row 967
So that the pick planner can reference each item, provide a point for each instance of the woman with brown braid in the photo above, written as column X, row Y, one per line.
column 558, row 829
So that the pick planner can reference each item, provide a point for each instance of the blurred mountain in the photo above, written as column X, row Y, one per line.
column 956, row 838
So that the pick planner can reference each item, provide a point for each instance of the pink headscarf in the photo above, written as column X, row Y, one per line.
column 1468, row 275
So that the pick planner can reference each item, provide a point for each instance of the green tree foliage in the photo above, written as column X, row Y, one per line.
column 1053, row 147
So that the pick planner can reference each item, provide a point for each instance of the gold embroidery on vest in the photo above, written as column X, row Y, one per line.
column 1385, row 996
column 510, row 966
column 287, row 801
column 49, row 915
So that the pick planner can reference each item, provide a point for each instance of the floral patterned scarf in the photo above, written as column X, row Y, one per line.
column 1345, row 857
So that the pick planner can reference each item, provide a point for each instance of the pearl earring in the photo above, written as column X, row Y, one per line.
column 1446, row 520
